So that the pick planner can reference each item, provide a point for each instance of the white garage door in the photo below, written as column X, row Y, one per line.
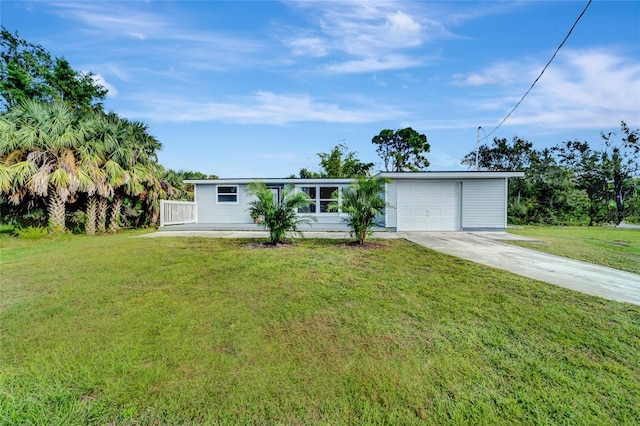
column 428, row 206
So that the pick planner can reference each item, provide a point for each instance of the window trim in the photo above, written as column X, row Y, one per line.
column 317, row 199
column 218, row 194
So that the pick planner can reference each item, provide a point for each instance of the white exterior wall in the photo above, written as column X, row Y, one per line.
column 484, row 204
column 391, row 212
column 210, row 211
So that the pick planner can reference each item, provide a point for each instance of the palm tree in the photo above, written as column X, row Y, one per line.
column 135, row 151
column 38, row 151
column 362, row 201
column 279, row 217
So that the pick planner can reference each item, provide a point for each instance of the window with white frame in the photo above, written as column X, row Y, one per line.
column 227, row 194
column 321, row 196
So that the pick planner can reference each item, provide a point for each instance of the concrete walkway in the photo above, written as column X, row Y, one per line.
column 487, row 248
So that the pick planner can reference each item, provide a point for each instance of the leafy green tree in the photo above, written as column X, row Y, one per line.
column 278, row 217
column 339, row 163
column 402, row 149
column 362, row 202
column 624, row 164
column 29, row 72
column 502, row 155
column 549, row 194
column 177, row 177
column 546, row 194
column 589, row 169
column 607, row 175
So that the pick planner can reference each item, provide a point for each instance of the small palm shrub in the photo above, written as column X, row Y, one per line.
column 32, row 233
column 278, row 217
column 362, row 201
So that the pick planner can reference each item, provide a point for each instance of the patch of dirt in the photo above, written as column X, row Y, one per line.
column 368, row 245
column 269, row 246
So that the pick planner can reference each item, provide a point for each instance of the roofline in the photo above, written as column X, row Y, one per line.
column 451, row 175
column 268, row 181
column 390, row 175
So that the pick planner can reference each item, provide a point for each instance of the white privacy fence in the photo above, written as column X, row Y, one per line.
column 177, row 212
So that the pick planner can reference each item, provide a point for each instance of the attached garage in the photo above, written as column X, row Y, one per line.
column 428, row 206
column 447, row 201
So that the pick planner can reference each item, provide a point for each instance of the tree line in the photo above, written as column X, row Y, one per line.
column 572, row 183
column 65, row 163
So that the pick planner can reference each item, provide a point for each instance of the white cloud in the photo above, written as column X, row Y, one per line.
column 161, row 35
column 309, row 46
column 373, row 64
column 589, row 88
column 505, row 73
column 112, row 18
column 260, row 108
column 366, row 36
column 98, row 79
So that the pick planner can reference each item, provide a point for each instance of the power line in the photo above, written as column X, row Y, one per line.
column 541, row 72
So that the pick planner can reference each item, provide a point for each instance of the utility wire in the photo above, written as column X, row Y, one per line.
column 541, row 72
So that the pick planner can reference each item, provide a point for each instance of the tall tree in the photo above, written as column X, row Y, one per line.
column 38, row 151
column 624, row 164
column 339, row 163
column 342, row 163
column 402, row 150
column 29, row 72
column 589, row 174
column 605, row 174
column 176, row 179
column 545, row 194
column 501, row 155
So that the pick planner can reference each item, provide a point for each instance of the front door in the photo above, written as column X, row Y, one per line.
column 276, row 194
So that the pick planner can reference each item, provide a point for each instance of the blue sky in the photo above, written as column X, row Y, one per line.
column 257, row 88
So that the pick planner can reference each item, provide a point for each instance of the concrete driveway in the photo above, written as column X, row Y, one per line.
column 487, row 248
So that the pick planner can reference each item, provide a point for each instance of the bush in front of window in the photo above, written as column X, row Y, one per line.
column 362, row 201
column 278, row 217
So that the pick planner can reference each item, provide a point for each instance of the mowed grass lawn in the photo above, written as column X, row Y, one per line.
column 121, row 330
column 613, row 247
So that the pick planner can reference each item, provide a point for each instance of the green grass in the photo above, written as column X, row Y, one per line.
column 119, row 330
column 613, row 247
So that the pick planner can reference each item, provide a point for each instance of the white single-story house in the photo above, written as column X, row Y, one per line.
column 419, row 201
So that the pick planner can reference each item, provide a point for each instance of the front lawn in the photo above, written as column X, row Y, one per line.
column 120, row 330
column 613, row 247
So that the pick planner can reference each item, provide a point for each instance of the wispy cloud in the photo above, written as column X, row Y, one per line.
column 112, row 91
column 260, row 108
column 162, row 35
column 504, row 73
column 373, row 64
column 582, row 88
column 112, row 18
column 374, row 36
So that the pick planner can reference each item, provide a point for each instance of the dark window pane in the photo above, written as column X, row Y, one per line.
column 327, row 191
column 222, row 198
column 227, row 189
column 310, row 191
column 324, row 206
column 310, row 208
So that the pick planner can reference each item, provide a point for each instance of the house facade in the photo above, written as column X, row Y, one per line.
column 418, row 201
